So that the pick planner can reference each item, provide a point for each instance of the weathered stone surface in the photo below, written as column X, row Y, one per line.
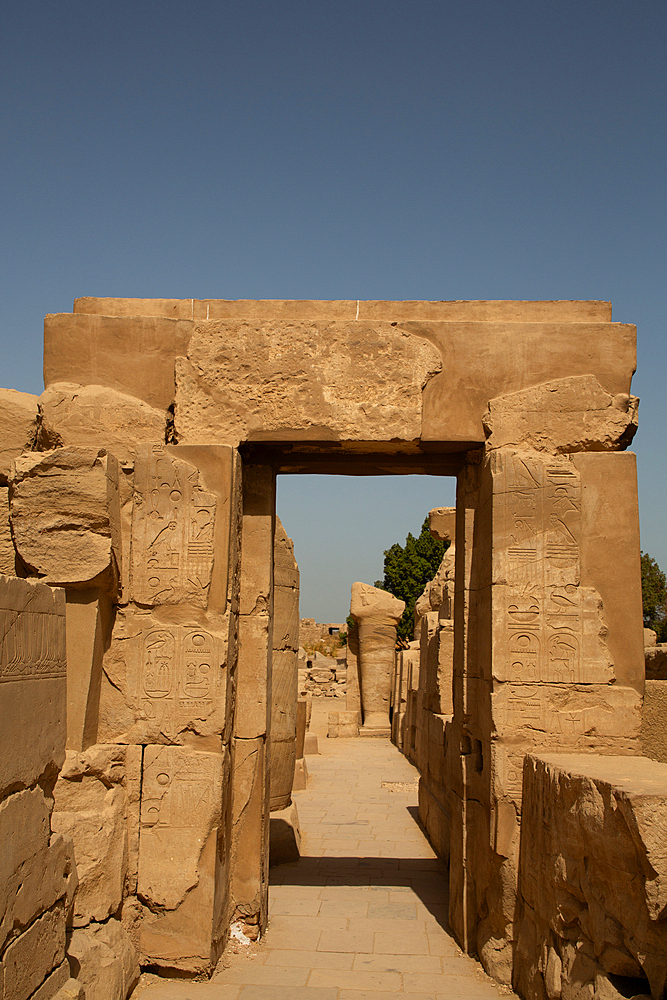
column 343, row 724
column 181, row 804
column 337, row 380
column 284, row 836
column 442, row 523
column 33, row 698
column 104, row 961
column 182, row 858
column 94, row 415
column 36, row 869
column 89, row 616
column 562, row 416
column 96, row 804
column 352, row 309
column 7, row 550
column 21, row 427
column 438, row 595
column 65, row 516
column 376, row 614
column 487, row 365
column 163, row 681
column 654, row 720
column 592, row 876
column 32, row 956
column 173, row 525
column 134, row 355
column 655, row 661
column 250, row 831
column 284, row 679
column 53, row 986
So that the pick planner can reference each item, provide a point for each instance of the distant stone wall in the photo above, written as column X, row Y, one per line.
column 311, row 632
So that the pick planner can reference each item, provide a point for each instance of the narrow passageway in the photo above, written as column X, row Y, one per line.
column 363, row 914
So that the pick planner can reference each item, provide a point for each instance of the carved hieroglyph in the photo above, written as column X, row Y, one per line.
column 173, row 525
column 171, row 677
column 181, row 805
column 551, row 666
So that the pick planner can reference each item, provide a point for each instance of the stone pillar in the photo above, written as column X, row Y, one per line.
column 250, row 771
column 548, row 655
column 285, row 669
column 376, row 614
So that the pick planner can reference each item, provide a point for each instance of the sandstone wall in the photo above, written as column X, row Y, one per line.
column 39, row 876
column 591, row 900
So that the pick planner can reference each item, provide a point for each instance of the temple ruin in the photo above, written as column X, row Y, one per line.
column 141, row 486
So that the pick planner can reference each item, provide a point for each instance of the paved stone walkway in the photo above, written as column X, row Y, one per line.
column 363, row 914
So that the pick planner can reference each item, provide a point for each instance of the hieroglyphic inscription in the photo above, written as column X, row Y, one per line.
column 172, row 531
column 543, row 601
column 177, row 791
column 178, row 675
column 32, row 646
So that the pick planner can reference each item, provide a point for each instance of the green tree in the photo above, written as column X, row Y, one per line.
column 654, row 596
column 407, row 570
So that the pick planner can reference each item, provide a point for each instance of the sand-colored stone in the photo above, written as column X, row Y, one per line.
column 94, row 415
column 282, row 754
column 96, row 800
column 180, row 806
column 104, row 959
column 442, row 523
column 36, row 869
column 33, row 955
column 592, row 882
column 65, row 516
column 486, row 310
column 164, row 681
column 7, row 550
column 22, row 428
column 563, row 416
column 654, row 720
column 284, row 836
column 133, row 355
column 376, row 614
column 89, row 617
column 250, row 833
column 32, row 682
column 331, row 380
column 173, row 526
column 182, row 858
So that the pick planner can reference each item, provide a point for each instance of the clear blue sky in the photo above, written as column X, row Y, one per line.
column 366, row 149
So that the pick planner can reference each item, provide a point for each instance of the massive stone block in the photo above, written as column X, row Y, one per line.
column 563, row 416
column 343, row 377
column 65, row 516
column 33, row 695
column 95, row 415
column 37, row 869
column 592, row 877
column 182, row 857
column 22, row 428
column 96, row 803
column 164, row 682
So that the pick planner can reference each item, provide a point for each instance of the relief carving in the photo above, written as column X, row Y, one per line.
column 172, row 531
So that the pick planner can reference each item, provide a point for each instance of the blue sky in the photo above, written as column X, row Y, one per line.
column 367, row 149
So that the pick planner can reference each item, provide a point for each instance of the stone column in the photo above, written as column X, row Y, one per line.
column 285, row 669
column 376, row 614
column 249, row 852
